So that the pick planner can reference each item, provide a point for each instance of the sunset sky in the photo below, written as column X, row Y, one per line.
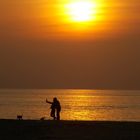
column 70, row 44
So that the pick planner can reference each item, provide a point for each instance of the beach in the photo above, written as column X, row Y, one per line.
column 68, row 130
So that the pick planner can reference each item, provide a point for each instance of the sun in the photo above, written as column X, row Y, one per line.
column 82, row 11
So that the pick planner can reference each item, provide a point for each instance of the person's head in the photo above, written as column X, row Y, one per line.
column 54, row 99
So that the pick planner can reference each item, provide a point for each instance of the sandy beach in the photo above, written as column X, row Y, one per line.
column 68, row 130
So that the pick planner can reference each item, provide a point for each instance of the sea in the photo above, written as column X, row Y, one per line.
column 77, row 104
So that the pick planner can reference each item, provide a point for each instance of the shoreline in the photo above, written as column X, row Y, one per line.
column 68, row 130
column 84, row 121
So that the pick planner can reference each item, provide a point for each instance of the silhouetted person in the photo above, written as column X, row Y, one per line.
column 55, row 108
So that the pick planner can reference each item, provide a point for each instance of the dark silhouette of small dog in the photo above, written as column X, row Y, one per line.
column 19, row 117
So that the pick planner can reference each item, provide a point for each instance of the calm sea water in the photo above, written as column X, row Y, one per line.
column 76, row 104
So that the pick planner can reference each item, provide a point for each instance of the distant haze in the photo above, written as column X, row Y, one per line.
column 31, row 57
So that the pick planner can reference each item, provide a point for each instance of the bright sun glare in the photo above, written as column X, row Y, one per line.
column 82, row 11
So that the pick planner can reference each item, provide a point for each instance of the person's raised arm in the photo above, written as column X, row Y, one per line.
column 48, row 101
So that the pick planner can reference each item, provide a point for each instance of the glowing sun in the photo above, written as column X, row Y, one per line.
column 82, row 11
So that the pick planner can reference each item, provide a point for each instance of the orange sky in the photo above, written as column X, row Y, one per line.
column 48, row 19
column 41, row 48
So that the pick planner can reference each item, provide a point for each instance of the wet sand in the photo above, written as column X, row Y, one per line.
column 68, row 130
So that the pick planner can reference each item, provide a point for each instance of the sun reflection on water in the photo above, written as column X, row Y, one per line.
column 77, row 105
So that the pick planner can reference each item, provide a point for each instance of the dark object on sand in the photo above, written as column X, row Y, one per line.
column 42, row 118
column 19, row 117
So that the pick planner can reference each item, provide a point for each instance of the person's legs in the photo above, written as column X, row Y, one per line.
column 53, row 113
column 58, row 114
